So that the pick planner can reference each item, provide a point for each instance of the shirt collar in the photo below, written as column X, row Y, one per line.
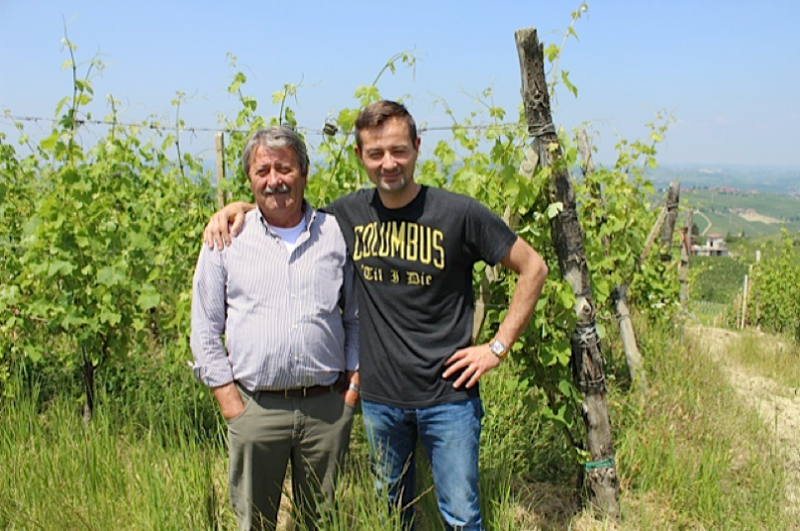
column 309, row 216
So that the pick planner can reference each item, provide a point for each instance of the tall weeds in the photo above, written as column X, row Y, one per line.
column 690, row 455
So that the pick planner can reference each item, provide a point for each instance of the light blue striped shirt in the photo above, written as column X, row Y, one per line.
column 289, row 319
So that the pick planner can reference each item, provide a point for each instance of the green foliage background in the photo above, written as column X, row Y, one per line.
column 716, row 278
column 103, row 239
column 775, row 303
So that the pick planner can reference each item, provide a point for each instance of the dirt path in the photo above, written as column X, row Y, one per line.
column 708, row 227
column 778, row 405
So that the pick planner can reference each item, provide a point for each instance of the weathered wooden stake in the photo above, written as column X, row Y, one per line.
column 619, row 295
column 219, row 148
column 651, row 238
column 744, row 303
column 632, row 354
column 479, row 315
column 686, row 252
column 588, row 168
column 757, row 295
column 673, row 196
column 600, row 483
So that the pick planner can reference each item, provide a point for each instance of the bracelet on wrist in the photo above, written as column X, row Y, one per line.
column 354, row 387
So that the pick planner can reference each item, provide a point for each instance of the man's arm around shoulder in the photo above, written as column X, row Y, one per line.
column 225, row 224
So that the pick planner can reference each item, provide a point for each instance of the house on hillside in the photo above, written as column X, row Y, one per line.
column 714, row 246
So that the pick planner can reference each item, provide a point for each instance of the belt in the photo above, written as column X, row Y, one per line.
column 301, row 392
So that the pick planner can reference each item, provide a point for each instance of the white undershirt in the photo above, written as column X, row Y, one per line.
column 289, row 235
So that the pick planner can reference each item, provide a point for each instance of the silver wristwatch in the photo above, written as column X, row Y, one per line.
column 498, row 349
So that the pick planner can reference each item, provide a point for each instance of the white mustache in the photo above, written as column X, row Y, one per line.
column 280, row 189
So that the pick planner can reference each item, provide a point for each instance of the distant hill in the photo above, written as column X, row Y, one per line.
column 781, row 180
column 730, row 212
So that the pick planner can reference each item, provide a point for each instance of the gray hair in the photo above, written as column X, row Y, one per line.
column 275, row 137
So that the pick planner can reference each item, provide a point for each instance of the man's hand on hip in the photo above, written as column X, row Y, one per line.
column 473, row 361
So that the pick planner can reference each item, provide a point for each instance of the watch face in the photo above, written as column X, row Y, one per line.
column 497, row 348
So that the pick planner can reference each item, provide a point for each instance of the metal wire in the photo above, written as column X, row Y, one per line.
column 306, row 130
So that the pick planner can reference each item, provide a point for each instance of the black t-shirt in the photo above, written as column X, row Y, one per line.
column 416, row 303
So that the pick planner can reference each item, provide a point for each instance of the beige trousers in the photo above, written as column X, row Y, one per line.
column 312, row 433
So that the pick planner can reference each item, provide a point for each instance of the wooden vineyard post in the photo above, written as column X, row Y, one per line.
column 651, row 238
column 479, row 315
column 600, row 480
column 632, row 354
column 744, row 303
column 594, row 190
column 757, row 295
column 686, row 252
column 673, row 195
column 219, row 148
column 619, row 294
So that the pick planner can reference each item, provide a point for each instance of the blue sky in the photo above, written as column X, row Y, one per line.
column 728, row 72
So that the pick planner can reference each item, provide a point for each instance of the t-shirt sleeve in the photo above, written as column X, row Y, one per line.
column 332, row 208
column 487, row 233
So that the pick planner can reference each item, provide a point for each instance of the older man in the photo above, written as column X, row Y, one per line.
column 414, row 248
column 286, row 377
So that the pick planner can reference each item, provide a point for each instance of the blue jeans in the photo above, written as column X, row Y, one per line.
column 449, row 434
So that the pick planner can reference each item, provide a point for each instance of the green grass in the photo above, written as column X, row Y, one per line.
column 709, row 313
column 61, row 474
column 146, row 462
column 716, row 278
column 694, row 456
column 771, row 357
column 689, row 456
